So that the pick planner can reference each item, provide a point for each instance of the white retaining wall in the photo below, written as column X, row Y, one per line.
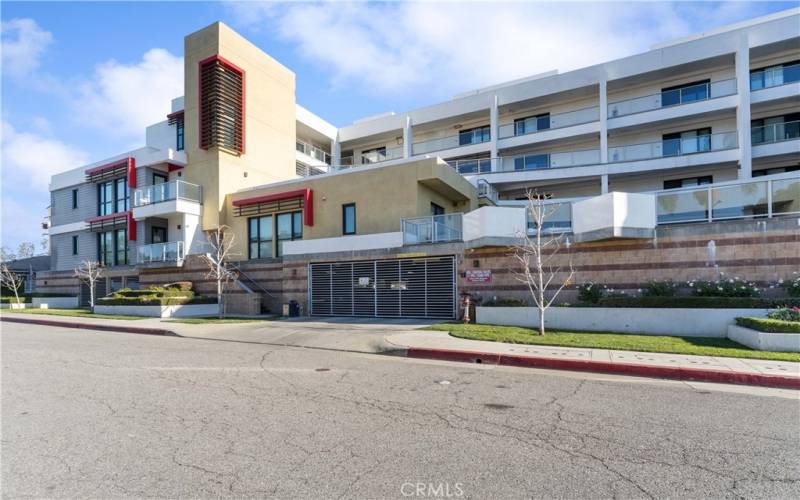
column 765, row 341
column 649, row 321
column 178, row 311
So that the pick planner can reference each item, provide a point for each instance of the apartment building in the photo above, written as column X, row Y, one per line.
column 676, row 162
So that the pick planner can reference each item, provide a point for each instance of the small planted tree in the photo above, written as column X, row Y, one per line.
column 219, row 268
column 11, row 280
column 89, row 272
column 537, row 255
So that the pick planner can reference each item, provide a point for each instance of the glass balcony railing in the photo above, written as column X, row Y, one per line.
column 381, row 155
column 475, row 165
column 669, row 98
column 474, row 136
column 166, row 191
column 733, row 200
column 160, row 252
column 775, row 132
column 313, row 152
column 559, row 120
column 558, row 218
column 673, row 147
column 526, row 162
column 432, row 229
column 774, row 77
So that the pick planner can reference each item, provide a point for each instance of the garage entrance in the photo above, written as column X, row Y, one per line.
column 395, row 288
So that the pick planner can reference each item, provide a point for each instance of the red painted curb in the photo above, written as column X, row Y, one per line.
column 696, row 374
column 89, row 326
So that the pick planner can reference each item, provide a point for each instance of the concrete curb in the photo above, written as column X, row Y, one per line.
column 90, row 326
column 695, row 374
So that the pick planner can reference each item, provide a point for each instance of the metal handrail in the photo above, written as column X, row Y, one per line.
column 450, row 141
column 774, row 81
column 241, row 274
column 580, row 116
column 703, row 144
column 786, row 131
column 313, row 151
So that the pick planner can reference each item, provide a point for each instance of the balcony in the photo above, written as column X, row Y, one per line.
column 167, row 198
column 730, row 200
column 672, row 98
column 775, row 139
column 774, row 77
column 432, row 229
column 475, row 136
column 170, row 253
column 559, row 120
column 521, row 163
column 312, row 152
column 673, row 147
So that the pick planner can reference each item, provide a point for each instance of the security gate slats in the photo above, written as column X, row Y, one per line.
column 413, row 288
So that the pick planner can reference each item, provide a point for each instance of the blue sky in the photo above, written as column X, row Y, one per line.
column 81, row 80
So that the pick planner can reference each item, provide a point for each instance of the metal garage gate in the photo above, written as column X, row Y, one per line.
column 409, row 288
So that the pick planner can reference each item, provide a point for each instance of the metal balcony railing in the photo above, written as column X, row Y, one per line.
column 466, row 138
column 558, row 120
column 379, row 156
column 533, row 161
column 313, row 151
column 160, row 252
column 775, row 132
column 166, row 191
column 673, row 147
column 670, row 98
column 774, row 77
column 432, row 229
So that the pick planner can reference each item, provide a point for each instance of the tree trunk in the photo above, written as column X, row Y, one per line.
column 220, row 301
column 541, row 321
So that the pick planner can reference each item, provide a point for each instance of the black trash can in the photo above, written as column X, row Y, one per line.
column 294, row 309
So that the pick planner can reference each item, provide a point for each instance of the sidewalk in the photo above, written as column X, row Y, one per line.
column 440, row 345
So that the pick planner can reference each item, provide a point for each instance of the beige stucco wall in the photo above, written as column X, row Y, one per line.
column 383, row 196
column 269, row 120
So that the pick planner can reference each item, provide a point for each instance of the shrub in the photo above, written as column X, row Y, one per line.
column 179, row 285
column 590, row 293
column 505, row 302
column 785, row 314
column 769, row 325
column 23, row 299
column 724, row 287
column 792, row 285
column 657, row 288
column 693, row 302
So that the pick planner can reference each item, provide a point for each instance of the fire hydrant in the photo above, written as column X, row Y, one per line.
column 465, row 304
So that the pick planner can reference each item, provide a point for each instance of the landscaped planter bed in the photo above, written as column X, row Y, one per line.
column 161, row 311
column 55, row 302
column 765, row 341
column 682, row 322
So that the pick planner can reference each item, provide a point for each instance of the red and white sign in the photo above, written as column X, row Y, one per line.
column 478, row 276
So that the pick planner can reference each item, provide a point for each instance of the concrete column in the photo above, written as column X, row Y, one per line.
column 604, row 124
column 494, row 127
column 336, row 151
column 604, row 184
column 408, row 139
column 743, row 107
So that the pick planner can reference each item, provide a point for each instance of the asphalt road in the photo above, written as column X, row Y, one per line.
column 109, row 415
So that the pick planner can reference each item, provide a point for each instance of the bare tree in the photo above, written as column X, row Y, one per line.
column 11, row 280
column 26, row 249
column 6, row 254
column 89, row 272
column 537, row 254
column 219, row 269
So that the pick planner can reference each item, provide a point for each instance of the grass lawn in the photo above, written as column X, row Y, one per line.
column 701, row 346
column 76, row 313
column 204, row 321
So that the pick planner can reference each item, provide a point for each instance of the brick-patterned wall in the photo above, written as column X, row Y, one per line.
column 763, row 254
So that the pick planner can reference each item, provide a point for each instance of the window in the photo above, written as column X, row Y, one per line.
column 775, row 128
column 159, row 178
column 179, row 135
column 112, row 247
column 122, row 195
column 105, row 198
column 373, row 155
column 74, row 199
column 75, row 245
column 290, row 227
column 688, row 182
column 687, row 92
column 531, row 124
column 691, row 141
column 259, row 237
column 531, row 162
column 221, row 106
column 349, row 218
column 473, row 136
column 436, row 209
column 773, row 76
column 777, row 170
column 158, row 235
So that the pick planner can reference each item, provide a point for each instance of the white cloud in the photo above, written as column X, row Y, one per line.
column 30, row 159
column 453, row 47
column 122, row 99
column 23, row 44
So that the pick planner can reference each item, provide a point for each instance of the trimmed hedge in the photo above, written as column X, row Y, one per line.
column 154, row 300
column 769, row 325
column 26, row 297
column 695, row 302
column 504, row 302
column 13, row 300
